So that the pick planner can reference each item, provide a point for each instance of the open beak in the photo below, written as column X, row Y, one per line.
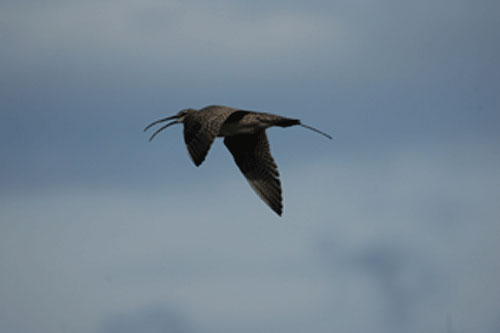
column 163, row 127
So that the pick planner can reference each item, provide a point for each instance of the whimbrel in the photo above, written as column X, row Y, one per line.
column 245, row 137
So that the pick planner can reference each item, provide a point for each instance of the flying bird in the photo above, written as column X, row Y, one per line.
column 245, row 137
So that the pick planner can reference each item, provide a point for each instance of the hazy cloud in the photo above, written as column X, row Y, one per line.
column 361, row 247
column 152, row 319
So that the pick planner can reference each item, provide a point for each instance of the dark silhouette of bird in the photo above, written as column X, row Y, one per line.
column 245, row 137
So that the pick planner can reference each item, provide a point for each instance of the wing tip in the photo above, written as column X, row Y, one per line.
column 278, row 209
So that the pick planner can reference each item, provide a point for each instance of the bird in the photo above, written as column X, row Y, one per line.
column 244, row 135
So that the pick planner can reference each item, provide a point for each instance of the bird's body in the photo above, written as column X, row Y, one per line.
column 244, row 136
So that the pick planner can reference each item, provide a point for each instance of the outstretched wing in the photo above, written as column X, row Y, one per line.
column 201, row 128
column 252, row 155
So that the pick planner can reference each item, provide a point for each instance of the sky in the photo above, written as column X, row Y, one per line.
column 393, row 226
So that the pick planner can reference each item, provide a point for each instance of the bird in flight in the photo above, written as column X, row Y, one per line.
column 245, row 137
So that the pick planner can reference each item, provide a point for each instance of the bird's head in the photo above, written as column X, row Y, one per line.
column 177, row 119
column 182, row 114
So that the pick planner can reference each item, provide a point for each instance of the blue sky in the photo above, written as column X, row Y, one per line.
column 391, row 227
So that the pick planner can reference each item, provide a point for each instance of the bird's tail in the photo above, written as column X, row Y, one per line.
column 286, row 122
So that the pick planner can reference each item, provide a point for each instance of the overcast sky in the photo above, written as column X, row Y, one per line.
column 394, row 226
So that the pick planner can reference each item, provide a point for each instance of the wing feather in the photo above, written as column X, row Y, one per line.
column 252, row 154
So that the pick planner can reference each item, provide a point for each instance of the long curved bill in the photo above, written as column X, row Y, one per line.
column 163, row 127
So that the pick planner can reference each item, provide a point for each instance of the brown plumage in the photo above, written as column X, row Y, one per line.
column 244, row 136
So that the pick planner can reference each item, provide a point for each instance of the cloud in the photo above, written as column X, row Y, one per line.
column 151, row 319
column 392, row 226
column 403, row 281
column 165, row 33
column 409, row 239
column 362, row 41
column 402, row 242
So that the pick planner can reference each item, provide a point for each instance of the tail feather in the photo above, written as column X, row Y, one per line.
column 286, row 122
